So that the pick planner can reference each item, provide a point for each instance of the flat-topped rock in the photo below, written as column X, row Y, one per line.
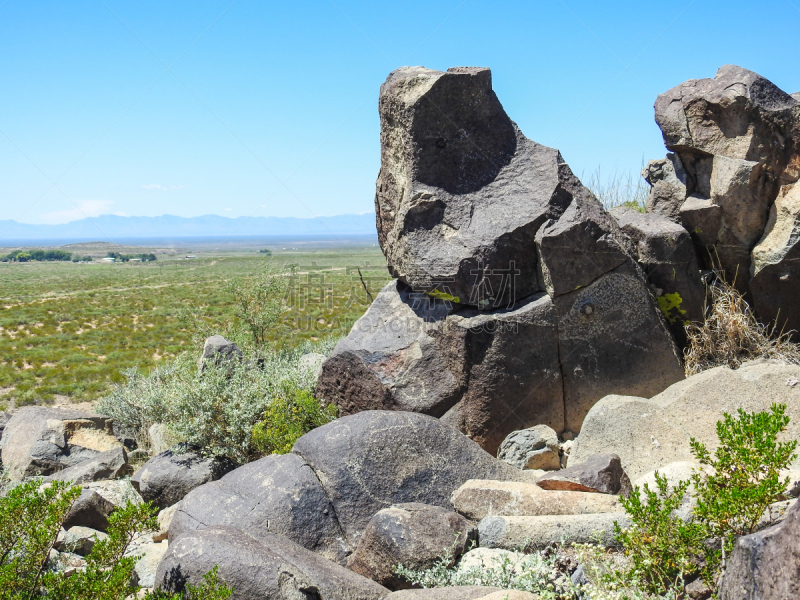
column 477, row 499
column 600, row 473
column 528, row 533
column 41, row 441
column 651, row 433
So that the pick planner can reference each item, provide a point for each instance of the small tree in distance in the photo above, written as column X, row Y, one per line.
column 260, row 300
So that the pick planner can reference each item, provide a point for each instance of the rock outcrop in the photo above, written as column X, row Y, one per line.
column 269, row 567
column 600, row 473
column 414, row 535
column 765, row 565
column 665, row 251
column 42, row 441
column 323, row 495
column 732, row 181
column 651, row 433
column 518, row 302
column 167, row 477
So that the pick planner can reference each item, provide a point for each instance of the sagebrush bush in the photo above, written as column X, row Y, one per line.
column 31, row 516
column 536, row 572
column 215, row 410
column 289, row 416
column 731, row 335
column 733, row 491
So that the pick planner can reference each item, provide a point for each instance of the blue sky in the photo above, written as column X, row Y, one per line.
column 270, row 108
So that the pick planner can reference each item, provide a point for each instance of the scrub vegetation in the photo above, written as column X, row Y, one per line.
column 68, row 330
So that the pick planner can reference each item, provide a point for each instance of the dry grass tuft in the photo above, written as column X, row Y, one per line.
column 731, row 335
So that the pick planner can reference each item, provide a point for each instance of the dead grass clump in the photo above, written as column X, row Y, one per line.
column 731, row 335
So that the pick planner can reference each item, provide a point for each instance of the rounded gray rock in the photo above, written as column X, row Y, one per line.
column 414, row 535
column 167, row 477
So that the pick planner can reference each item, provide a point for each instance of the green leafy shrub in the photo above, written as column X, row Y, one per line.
column 739, row 482
column 290, row 415
column 662, row 547
column 32, row 514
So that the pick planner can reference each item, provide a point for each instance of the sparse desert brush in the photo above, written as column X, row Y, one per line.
column 619, row 189
column 126, row 316
column 215, row 410
column 731, row 335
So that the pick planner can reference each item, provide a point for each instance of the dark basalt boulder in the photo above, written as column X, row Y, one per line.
column 414, row 535
column 167, row 477
column 374, row 459
column 462, row 195
column 277, row 494
column 518, row 300
column 765, row 565
column 271, row 566
column 737, row 140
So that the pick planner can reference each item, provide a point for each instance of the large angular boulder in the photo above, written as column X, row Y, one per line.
column 106, row 465
column 737, row 140
column 41, row 441
column 765, row 565
column 518, row 302
column 167, row 477
column 391, row 360
column 374, row 459
column 412, row 534
column 600, row 473
column 494, row 372
column 665, row 251
column 651, row 433
column 278, row 494
column 269, row 567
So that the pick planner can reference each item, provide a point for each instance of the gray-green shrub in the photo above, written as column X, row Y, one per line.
column 215, row 410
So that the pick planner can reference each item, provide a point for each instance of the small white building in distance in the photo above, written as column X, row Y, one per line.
column 109, row 259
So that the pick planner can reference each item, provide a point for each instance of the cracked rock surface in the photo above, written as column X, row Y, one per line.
column 323, row 494
column 518, row 300
column 731, row 181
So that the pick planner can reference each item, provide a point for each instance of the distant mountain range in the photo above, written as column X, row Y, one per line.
column 168, row 226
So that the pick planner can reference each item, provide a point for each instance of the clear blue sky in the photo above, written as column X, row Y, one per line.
column 270, row 108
